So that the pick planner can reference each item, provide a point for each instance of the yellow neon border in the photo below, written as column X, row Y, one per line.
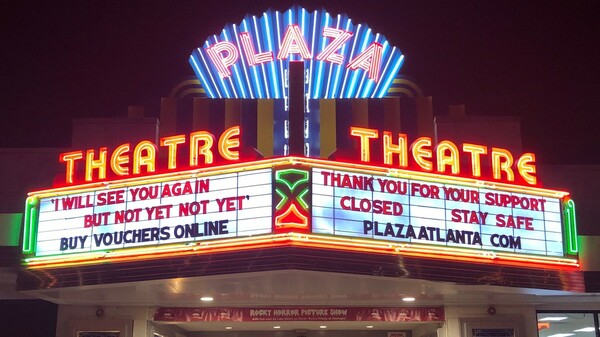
column 302, row 240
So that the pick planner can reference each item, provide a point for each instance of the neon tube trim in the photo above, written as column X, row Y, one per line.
column 306, row 241
column 370, row 76
column 28, row 225
column 570, row 226
column 315, row 162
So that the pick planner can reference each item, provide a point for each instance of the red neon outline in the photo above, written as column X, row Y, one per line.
column 293, row 43
column 307, row 241
column 369, row 60
column 252, row 58
column 316, row 162
column 291, row 218
column 223, row 63
column 340, row 37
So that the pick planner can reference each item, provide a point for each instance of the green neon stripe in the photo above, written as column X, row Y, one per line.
column 29, row 224
column 291, row 186
column 284, row 199
column 301, row 200
column 570, row 226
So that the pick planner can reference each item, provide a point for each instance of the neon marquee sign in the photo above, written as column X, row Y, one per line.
column 341, row 59
column 380, row 207
column 300, row 202
column 419, row 196
column 201, row 147
column 445, row 157
column 213, row 206
column 129, row 161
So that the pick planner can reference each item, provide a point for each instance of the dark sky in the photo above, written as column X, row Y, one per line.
column 533, row 59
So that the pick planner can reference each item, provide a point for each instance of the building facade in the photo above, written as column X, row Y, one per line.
column 300, row 186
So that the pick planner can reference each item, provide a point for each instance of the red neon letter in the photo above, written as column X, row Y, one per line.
column 339, row 38
column 251, row 56
column 369, row 60
column 222, row 63
column 293, row 43
column 364, row 134
column 70, row 158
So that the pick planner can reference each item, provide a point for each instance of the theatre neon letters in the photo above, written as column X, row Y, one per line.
column 144, row 155
column 446, row 156
column 443, row 158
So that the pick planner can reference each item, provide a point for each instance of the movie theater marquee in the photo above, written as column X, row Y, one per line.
column 417, row 197
column 238, row 199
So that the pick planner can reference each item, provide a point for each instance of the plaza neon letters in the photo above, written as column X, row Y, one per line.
column 224, row 54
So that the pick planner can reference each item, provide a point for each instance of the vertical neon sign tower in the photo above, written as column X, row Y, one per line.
column 251, row 60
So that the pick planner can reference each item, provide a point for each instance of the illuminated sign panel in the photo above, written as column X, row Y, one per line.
column 327, row 201
column 341, row 59
column 142, row 158
column 201, row 193
column 187, row 210
column 301, row 202
column 417, row 211
column 445, row 157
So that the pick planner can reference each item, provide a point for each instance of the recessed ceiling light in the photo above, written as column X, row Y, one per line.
column 206, row 299
column 552, row 319
column 277, row 327
column 562, row 335
column 408, row 299
column 228, row 328
column 588, row 329
column 323, row 327
column 369, row 327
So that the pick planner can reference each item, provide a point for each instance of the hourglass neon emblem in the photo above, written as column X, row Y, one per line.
column 291, row 199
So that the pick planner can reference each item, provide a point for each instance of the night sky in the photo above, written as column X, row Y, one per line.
column 535, row 59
